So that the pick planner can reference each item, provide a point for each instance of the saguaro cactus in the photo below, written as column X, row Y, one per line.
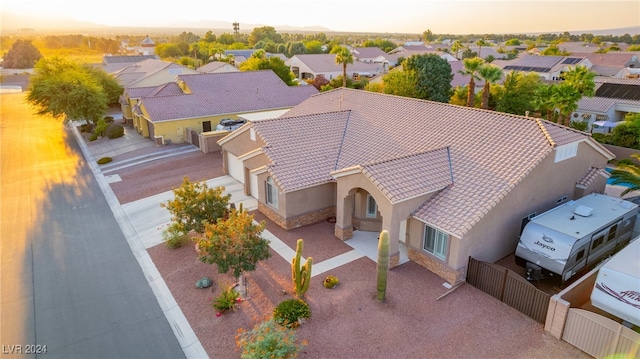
column 383, row 264
column 301, row 274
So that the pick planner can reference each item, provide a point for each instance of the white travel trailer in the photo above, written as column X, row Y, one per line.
column 617, row 288
column 575, row 235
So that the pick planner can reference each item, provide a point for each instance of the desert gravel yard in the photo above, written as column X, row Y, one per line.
column 348, row 321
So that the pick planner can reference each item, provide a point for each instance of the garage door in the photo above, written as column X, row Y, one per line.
column 236, row 169
column 253, row 184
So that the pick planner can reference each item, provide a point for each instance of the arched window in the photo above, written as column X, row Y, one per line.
column 271, row 192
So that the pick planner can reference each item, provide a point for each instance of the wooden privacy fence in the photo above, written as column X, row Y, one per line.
column 508, row 287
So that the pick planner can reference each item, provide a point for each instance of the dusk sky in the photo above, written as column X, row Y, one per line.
column 404, row 16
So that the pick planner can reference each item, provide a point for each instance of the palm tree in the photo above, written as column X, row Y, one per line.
column 543, row 100
column 566, row 99
column 628, row 174
column 456, row 47
column 490, row 74
column 471, row 68
column 582, row 79
column 344, row 57
column 481, row 43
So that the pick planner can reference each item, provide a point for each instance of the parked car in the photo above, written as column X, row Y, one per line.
column 227, row 124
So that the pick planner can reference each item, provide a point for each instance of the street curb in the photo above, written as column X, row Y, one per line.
column 187, row 338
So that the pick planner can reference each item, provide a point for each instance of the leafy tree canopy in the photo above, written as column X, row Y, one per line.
column 433, row 76
column 234, row 244
column 255, row 63
column 195, row 204
column 401, row 83
column 62, row 88
column 22, row 55
column 264, row 33
column 517, row 93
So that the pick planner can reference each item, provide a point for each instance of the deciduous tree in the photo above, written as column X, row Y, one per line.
column 274, row 63
column 234, row 244
column 22, row 55
column 195, row 204
column 62, row 88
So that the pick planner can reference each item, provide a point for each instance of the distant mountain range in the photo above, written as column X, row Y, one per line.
column 11, row 22
column 19, row 22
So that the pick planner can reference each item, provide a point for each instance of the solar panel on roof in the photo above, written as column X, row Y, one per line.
column 571, row 60
column 626, row 92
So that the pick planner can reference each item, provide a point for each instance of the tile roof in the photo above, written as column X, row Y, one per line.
column 603, row 104
column 168, row 89
column 412, row 175
column 326, row 63
column 213, row 66
column 490, row 152
column 368, row 52
column 127, row 59
column 138, row 71
column 590, row 175
column 609, row 59
column 225, row 93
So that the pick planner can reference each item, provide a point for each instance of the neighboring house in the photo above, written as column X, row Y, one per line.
column 579, row 47
column 547, row 67
column 612, row 64
column 457, row 80
column 449, row 182
column 408, row 53
column 111, row 64
column 486, row 51
column 240, row 56
column 613, row 100
column 146, row 47
column 308, row 66
column 150, row 73
column 373, row 55
column 217, row 67
column 198, row 102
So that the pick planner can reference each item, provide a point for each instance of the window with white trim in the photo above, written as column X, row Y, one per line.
column 271, row 192
column 435, row 242
column 372, row 207
column 566, row 152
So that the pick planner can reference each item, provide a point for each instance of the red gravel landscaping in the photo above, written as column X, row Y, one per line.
column 348, row 321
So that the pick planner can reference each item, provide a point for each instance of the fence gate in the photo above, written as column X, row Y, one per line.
column 508, row 287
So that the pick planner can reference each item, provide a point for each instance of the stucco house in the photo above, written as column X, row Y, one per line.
column 615, row 97
column 612, row 64
column 217, row 67
column 150, row 72
column 308, row 66
column 199, row 101
column 547, row 67
column 112, row 64
column 447, row 182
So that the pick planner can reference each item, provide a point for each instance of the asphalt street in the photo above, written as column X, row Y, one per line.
column 70, row 285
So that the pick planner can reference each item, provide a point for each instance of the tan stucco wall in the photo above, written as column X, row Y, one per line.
column 496, row 235
column 175, row 130
column 242, row 143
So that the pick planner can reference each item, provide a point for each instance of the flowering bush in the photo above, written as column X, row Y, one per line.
column 291, row 313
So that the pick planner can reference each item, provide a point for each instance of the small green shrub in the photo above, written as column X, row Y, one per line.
column 101, row 127
column 330, row 282
column 291, row 313
column 174, row 237
column 86, row 127
column 226, row 300
column 104, row 160
column 108, row 119
column 115, row 131
column 625, row 161
column 268, row 340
